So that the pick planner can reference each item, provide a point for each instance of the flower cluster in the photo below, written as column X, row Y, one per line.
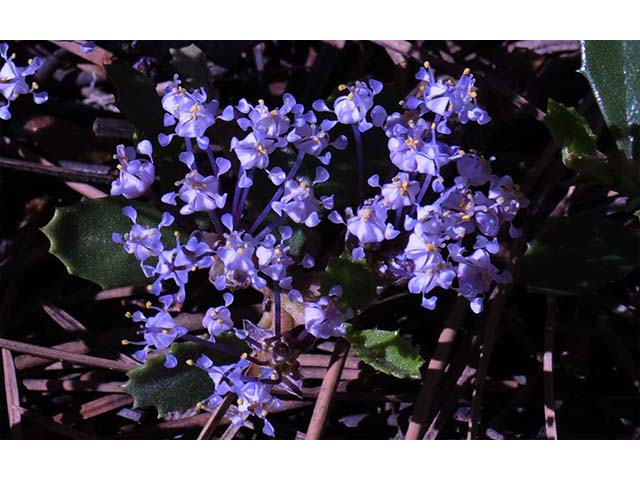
column 238, row 252
column 418, row 227
column 13, row 81
column 442, row 239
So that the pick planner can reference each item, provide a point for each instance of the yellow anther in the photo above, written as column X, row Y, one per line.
column 244, row 356
column 128, row 314
column 473, row 94
column 214, row 312
column 200, row 405
column 194, row 268
column 240, row 250
column 195, row 108
column 466, row 71
column 430, row 247
column 433, row 125
column 410, row 142
column 189, row 362
column 261, row 102
column 342, row 87
column 166, row 331
column 366, row 215
column 149, row 288
column 350, row 96
column 466, row 217
column 461, row 152
column 240, row 401
column 35, row 85
column 277, row 251
column 274, row 113
column 119, row 167
column 220, row 320
column 426, row 64
column 176, row 233
column 148, row 304
column 30, row 61
column 13, row 56
column 429, row 271
column 124, row 341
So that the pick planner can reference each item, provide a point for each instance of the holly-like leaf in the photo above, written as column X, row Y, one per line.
column 81, row 237
column 387, row 352
column 569, row 128
column 170, row 389
column 137, row 99
column 613, row 70
column 358, row 284
column 578, row 254
column 572, row 133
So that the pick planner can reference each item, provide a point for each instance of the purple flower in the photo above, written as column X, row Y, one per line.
column 475, row 276
column 199, row 193
column 299, row 203
column 323, row 318
column 273, row 259
column 142, row 241
column 254, row 398
column 159, row 332
column 435, row 272
column 370, row 226
column 218, row 320
column 234, row 266
column 253, row 151
column 136, row 175
column 191, row 113
column 351, row 109
column 401, row 192
column 13, row 81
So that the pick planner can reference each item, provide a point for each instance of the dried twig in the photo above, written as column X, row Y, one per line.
column 327, row 390
column 550, row 427
column 64, row 356
column 231, row 431
column 95, row 407
column 216, row 417
column 435, row 370
column 498, row 299
column 12, row 394
column 443, row 415
column 62, row 173
column 24, row 362
column 77, row 329
column 70, row 385
column 59, row 428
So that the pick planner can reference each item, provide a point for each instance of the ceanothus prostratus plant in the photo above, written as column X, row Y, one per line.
column 420, row 228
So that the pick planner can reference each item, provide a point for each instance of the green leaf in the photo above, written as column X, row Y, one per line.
column 613, row 70
column 578, row 254
column 358, row 284
column 137, row 99
column 387, row 352
column 170, row 389
column 80, row 236
column 569, row 128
